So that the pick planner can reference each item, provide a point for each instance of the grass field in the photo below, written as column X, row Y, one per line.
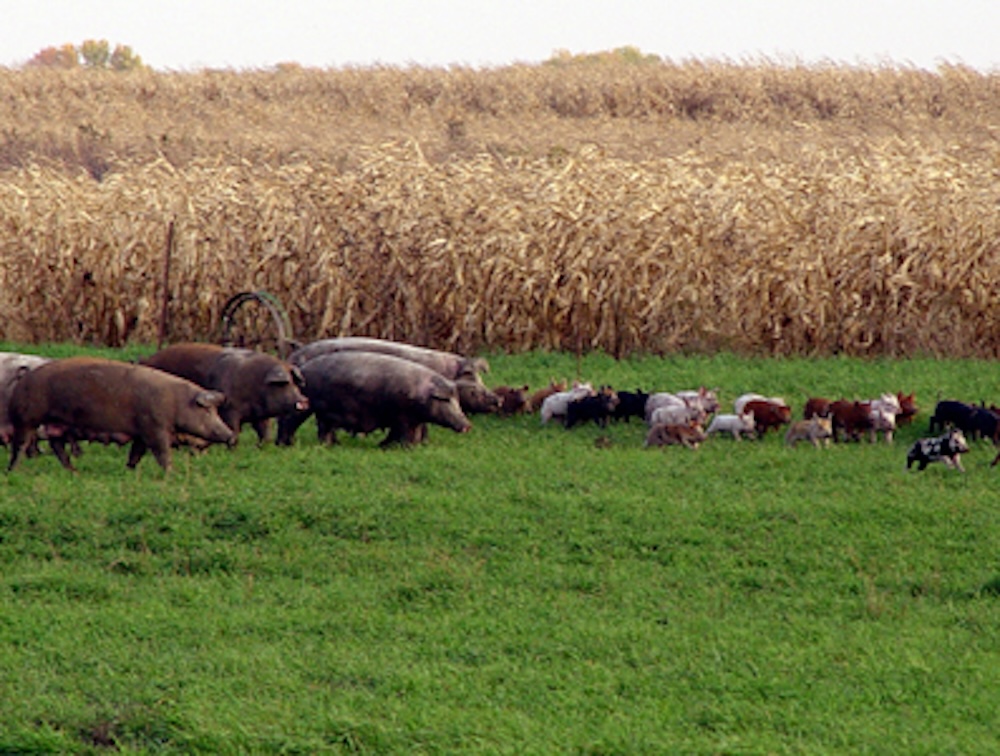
column 516, row 589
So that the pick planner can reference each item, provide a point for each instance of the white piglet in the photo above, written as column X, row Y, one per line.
column 676, row 415
column 738, row 425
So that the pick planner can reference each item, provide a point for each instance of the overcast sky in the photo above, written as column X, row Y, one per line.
column 194, row 34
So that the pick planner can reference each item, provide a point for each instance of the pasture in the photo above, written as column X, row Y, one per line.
column 518, row 589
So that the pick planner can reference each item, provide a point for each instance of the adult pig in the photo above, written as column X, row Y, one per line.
column 361, row 392
column 257, row 386
column 452, row 366
column 88, row 397
column 13, row 367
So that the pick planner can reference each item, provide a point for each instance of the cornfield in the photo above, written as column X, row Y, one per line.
column 628, row 208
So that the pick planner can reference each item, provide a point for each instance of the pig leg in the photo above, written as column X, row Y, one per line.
column 158, row 443
column 288, row 424
column 58, row 444
column 161, row 453
column 326, row 431
column 262, row 427
column 416, row 434
column 395, row 436
column 402, row 433
column 136, row 452
column 33, row 450
column 21, row 439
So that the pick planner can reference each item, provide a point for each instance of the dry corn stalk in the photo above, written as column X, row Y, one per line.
column 881, row 245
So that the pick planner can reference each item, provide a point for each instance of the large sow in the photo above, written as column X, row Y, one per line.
column 92, row 398
column 473, row 396
column 361, row 392
column 257, row 386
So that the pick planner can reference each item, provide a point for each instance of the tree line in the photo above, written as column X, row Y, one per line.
column 92, row 54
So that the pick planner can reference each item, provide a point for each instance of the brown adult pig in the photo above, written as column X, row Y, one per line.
column 452, row 366
column 361, row 392
column 257, row 386
column 13, row 367
column 88, row 397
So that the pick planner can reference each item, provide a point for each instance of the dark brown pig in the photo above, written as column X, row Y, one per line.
column 452, row 366
column 257, row 386
column 513, row 399
column 361, row 392
column 91, row 398
column 13, row 367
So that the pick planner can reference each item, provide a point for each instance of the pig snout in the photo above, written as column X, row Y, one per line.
column 214, row 430
column 286, row 398
column 221, row 433
column 448, row 413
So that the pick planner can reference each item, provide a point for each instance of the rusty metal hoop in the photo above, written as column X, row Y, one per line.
column 273, row 305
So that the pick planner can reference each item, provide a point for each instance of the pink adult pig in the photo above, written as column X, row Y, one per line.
column 361, row 392
column 257, row 386
column 473, row 396
column 88, row 397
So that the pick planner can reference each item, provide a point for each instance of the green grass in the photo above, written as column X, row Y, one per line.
column 516, row 589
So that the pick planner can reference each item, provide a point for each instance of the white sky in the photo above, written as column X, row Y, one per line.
column 194, row 34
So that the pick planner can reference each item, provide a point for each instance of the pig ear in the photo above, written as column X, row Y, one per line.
column 277, row 375
column 443, row 389
column 209, row 398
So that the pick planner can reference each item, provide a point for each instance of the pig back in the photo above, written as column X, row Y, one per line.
column 193, row 361
column 450, row 365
